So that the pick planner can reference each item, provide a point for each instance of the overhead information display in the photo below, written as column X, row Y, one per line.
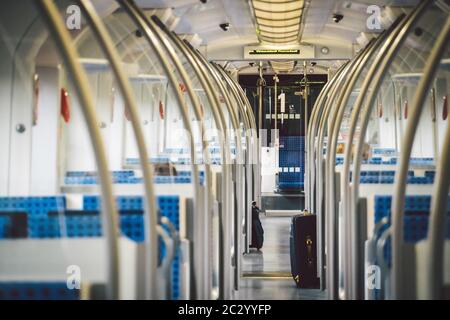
column 268, row 53
column 274, row 51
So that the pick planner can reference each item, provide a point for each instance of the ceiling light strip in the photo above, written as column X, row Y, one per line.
column 285, row 34
column 278, row 21
column 288, row 22
column 287, row 37
column 277, row 2
column 279, row 10
column 278, row 42
column 278, row 16
column 279, row 29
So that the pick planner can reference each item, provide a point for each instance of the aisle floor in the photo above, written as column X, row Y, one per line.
column 267, row 274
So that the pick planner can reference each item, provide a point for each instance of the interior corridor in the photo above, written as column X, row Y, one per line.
column 267, row 274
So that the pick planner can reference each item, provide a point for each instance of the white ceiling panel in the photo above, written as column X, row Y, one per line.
column 318, row 26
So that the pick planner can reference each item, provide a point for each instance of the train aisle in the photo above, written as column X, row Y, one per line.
column 267, row 274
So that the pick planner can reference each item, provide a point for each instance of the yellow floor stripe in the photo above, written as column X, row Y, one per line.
column 268, row 275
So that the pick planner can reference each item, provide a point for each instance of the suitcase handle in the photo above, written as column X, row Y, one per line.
column 309, row 248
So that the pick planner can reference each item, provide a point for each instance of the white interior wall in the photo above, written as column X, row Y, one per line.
column 109, row 121
column 21, row 114
column 116, row 132
column 24, row 39
column 148, row 96
column 423, row 140
column 110, row 115
column 6, row 70
column 45, row 137
column 149, row 111
column 78, row 155
column 175, row 136
column 441, row 91
column 387, row 132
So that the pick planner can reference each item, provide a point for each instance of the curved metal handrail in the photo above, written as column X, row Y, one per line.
column 338, row 115
column 226, row 173
column 214, row 107
column 203, row 229
column 140, row 20
column 378, row 68
column 239, row 174
column 313, row 124
column 252, row 153
column 227, row 197
column 330, row 219
column 237, row 135
column 438, row 215
column 314, row 127
column 109, row 215
column 308, row 187
column 319, row 183
column 151, row 218
column 364, row 110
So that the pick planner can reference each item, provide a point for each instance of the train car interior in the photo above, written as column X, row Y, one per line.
column 224, row 150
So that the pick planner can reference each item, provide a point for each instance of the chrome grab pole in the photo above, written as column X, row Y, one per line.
column 252, row 155
column 109, row 215
column 228, row 196
column 225, row 180
column 237, row 136
column 315, row 116
column 205, row 228
column 308, row 148
column 439, row 206
column 379, row 67
column 320, row 185
column 183, row 48
column 438, row 215
column 330, row 219
column 364, row 109
column 240, row 184
column 140, row 20
column 151, row 216
column 333, row 230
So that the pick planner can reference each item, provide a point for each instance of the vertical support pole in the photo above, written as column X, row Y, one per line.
column 260, row 99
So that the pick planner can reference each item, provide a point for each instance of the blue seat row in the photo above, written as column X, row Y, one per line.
column 416, row 218
column 292, row 143
column 162, row 160
column 291, row 158
column 388, row 176
column 384, row 151
column 390, row 180
column 290, row 180
column 291, row 155
column 137, row 161
column 37, row 291
column 85, row 178
column 390, row 161
column 47, row 217
column 212, row 150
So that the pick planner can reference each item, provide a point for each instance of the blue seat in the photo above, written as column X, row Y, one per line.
column 415, row 223
column 47, row 215
column 37, row 291
column 291, row 155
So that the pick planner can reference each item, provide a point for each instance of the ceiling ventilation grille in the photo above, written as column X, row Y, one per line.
column 278, row 21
